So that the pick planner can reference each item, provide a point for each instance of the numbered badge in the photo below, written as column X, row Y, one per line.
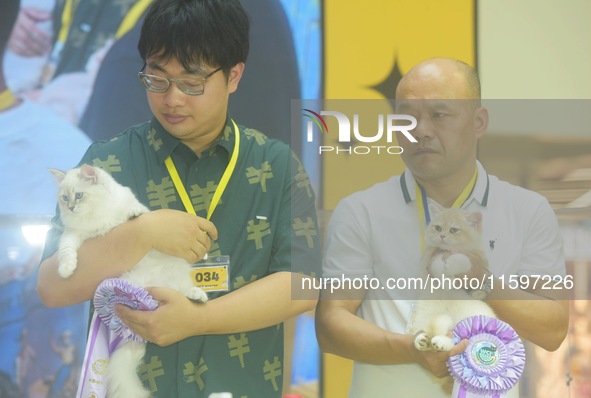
column 212, row 275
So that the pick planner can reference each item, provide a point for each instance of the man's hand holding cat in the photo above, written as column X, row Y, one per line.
column 178, row 233
column 155, row 326
column 435, row 361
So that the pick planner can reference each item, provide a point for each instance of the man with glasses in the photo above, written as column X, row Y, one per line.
column 249, row 195
column 187, row 85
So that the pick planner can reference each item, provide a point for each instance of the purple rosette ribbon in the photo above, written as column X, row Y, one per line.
column 494, row 360
column 118, row 291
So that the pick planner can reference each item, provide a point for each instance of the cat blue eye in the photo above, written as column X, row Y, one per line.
column 453, row 230
column 65, row 198
column 437, row 228
column 79, row 195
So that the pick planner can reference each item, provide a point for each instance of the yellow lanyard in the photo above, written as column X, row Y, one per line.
column 129, row 21
column 178, row 184
column 67, row 16
column 423, row 206
column 132, row 17
column 7, row 99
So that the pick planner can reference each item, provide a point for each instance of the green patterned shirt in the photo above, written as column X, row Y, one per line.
column 266, row 221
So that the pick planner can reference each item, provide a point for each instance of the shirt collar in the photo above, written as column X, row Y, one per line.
column 164, row 143
column 479, row 193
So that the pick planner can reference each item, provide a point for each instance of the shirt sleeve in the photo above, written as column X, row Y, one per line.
column 543, row 252
column 297, row 243
column 348, row 242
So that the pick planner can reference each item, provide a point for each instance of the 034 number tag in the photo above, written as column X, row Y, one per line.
column 212, row 275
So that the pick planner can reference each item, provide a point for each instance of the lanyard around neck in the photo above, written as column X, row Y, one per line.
column 423, row 205
column 66, row 22
column 178, row 184
column 128, row 22
column 7, row 99
column 67, row 18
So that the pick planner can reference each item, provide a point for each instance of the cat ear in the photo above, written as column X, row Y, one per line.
column 474, row 218
column 88, row 173
column 58, row 174
column 434, row 207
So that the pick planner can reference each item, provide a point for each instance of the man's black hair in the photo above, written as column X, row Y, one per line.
column 196, row 33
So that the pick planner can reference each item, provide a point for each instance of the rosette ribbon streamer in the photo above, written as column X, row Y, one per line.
column 107, row 332
column 492, row 363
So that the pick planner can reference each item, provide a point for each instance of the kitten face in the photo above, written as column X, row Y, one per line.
column 450, row 228
column 71, row 198
column 78, row 190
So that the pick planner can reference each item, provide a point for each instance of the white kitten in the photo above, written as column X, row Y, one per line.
column 91, row 204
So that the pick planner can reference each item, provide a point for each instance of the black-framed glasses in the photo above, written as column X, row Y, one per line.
column 188, row 85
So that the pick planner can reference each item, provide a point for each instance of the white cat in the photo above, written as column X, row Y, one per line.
column 92, row 203
column 451, row 233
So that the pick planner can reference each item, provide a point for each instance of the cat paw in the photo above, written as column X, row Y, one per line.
column 437, row 266
column 136, row 211
column 441, row 343
column 422, row 342
column 68, row 262
column 65, row 270
column 196, row 294
column 457, row 264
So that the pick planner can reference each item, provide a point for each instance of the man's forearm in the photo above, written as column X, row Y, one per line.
column 260, row 304
column 263, row 303
column 98, row 258
column 539, row 316
column 542, row 321
column 345, row 334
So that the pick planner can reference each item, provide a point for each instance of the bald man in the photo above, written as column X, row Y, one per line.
column 376, row 234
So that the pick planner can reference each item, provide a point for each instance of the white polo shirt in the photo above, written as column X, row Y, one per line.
column 376, row 233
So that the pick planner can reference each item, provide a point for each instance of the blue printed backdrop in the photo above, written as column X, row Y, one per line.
column 41, row 348
column 306, row 27
column 305, row 22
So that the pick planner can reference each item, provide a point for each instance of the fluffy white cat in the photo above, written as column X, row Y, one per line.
column 92, row 203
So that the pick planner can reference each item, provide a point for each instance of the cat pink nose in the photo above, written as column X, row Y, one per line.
column 442, row 236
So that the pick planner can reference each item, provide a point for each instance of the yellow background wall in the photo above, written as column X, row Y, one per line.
column 534, row 49
column 366, row 45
